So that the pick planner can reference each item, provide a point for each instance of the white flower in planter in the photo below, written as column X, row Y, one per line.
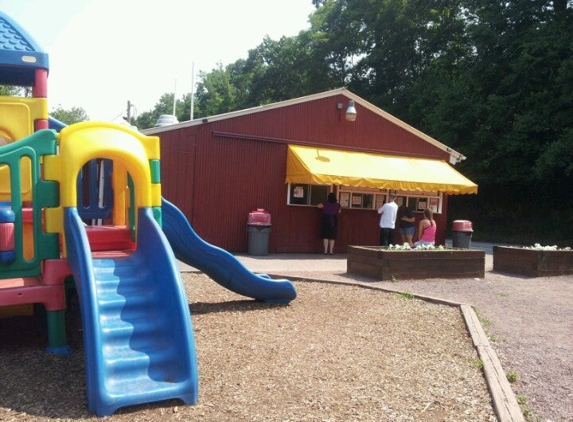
column 407, row 247
column 404, row 247
column 425, row 247
column 538, row 247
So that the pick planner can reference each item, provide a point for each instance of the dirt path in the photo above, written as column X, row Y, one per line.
column 530, row 324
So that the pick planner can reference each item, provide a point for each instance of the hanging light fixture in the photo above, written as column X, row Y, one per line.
column 351, row 112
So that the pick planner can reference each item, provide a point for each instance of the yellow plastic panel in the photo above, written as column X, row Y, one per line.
column 129, row 150
column 17, row 116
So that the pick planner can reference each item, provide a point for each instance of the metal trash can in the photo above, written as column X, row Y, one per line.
column 258, row 229
column 462, row 234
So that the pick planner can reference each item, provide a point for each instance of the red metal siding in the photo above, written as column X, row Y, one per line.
column 321, row 122
column 218, row 172
column 230, row 178
column 177, row 168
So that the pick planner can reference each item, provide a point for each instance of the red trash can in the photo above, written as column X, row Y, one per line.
column 258, row 229
column 462, row 234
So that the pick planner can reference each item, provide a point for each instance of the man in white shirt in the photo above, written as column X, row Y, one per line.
column 388, row 213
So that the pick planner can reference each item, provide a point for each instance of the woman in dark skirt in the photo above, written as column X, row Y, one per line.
column 329, row 222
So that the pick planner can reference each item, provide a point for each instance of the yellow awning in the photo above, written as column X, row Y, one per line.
column 328, row 166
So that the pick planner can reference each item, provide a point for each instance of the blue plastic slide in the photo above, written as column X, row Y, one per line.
column 138, row 335
column 219, row 264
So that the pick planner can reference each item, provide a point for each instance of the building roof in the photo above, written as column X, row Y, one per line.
column 20, row 55
column 455, row 157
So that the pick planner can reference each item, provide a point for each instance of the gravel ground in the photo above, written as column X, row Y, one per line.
column 529, row 322
column 338, row 352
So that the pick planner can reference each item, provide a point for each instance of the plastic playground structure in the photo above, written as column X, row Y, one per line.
column 81, row 211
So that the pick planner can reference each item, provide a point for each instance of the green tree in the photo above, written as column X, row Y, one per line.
column 215, row 92
column 275, row 70
column 520, row 125
column 286, row 68
column 522, row 54
column 164, row 106
column 145, row 120
column 340, row 30
column 71, row 116
column 11, row 91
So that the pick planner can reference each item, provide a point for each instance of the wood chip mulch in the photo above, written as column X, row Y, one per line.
column 336, row 353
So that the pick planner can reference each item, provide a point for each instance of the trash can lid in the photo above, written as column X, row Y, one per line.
column 259, row 217
column 462, row 226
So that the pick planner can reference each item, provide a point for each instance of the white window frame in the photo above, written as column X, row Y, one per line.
column 433, row 200
column 307, row 191
column 379, row 196
column 348, row 197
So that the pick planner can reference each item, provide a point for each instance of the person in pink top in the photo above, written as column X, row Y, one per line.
column 426, row 230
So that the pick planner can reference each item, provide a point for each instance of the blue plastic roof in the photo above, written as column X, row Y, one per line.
column 20, row 55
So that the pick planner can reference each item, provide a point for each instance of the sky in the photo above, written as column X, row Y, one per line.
column 104, row 53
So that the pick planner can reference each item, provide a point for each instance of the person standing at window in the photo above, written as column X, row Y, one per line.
column 388, row 213
column 329, row 222
column 406, row 224
column 427, row 230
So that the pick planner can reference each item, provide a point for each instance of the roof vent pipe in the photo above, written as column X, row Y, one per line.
column 165, row 120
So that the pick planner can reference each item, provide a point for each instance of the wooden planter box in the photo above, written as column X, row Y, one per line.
column 382, row 264
column 532, row 262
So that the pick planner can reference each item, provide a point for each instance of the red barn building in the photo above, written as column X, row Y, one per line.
column 285, row 158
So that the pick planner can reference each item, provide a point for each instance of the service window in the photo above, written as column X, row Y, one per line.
column 380, row 200
column 307, row 194
column 419, row 203
column 361, row 198
column 372, row 199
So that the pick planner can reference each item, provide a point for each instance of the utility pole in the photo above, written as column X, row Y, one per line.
column 174, row 96
column 128, row 112
column 192, row 90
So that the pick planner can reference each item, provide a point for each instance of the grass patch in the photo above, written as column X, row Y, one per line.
column 511, row 376
column 527, row 412
column 483, row 321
